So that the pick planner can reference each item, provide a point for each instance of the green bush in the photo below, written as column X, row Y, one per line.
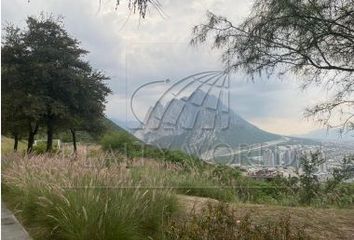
column 126, row 144
column 41, row 147
column 120, row 141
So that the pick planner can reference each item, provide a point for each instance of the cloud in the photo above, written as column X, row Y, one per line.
column 135, row 51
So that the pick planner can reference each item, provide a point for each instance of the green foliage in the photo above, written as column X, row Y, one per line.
column 131, row 147
column 41, row 148
column 119, row 141
column 344, row 172
column 47, row 82
column 220, row 222
column 226, row 175
column 95, row 214
column 83, row 204
column 309, row 182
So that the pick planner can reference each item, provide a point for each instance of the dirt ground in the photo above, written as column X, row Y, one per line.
column 328, row 223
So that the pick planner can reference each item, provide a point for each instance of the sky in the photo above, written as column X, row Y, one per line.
column 134, row 52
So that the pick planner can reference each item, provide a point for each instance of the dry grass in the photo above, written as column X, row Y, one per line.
column 67, row 195
column 7, row 145
column 61, row 197
column 327, row 223
column 213, row 221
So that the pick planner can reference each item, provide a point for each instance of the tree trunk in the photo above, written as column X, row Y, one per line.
column 30, row 142
column 31, row 133
column 15, row 142
column 73, row 133
column 49, row 134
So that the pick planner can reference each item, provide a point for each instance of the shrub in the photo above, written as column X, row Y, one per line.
column 310, row 185
column 220, row 222
column 119, row 141
column 41, row 147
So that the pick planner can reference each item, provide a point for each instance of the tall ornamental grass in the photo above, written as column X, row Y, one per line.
column 58, row 198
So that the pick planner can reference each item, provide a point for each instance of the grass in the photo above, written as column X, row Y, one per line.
column 57, row 198
column 7, row 145
column 102, row 195
column 318, row 223
column 195, row 177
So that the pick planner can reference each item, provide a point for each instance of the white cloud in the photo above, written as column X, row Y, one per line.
column 285, row 126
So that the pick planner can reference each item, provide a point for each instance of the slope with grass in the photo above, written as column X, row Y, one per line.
column 102, row 195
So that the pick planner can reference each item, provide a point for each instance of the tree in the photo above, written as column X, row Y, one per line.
column 342, row 173
column 59, row 72
column 309, row 183
column 20, row 108
column 312, row 38
column 88, row 105
column 47, row 82
column 11, row 52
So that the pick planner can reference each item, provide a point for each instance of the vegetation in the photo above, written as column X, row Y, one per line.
column 313, row 39
column 309, row 182
column 61, row 199
column 220, row 222
column 124, row 189
column 196, row 178
column 92, row 197
column 101, row 195
column 124, row 143
column 46, row 82
column 7, row 145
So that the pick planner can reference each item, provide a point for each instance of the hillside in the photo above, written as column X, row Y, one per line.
column 162, row 198
column 111, row 126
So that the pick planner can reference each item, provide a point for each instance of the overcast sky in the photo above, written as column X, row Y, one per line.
column 133, row 52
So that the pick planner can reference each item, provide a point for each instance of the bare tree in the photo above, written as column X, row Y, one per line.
column 312, row 38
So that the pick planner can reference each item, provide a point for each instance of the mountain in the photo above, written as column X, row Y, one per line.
column 200, row 124
column 328, row 135
column 127, row 125
column 111, row 126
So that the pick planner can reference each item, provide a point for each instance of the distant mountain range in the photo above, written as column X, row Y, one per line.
column 328, row 135
column 127, row 125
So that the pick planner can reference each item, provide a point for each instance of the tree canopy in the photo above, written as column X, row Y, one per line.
column 47, row 82
column 312, row 38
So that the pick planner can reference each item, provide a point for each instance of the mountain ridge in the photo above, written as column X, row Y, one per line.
column 192, row 125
